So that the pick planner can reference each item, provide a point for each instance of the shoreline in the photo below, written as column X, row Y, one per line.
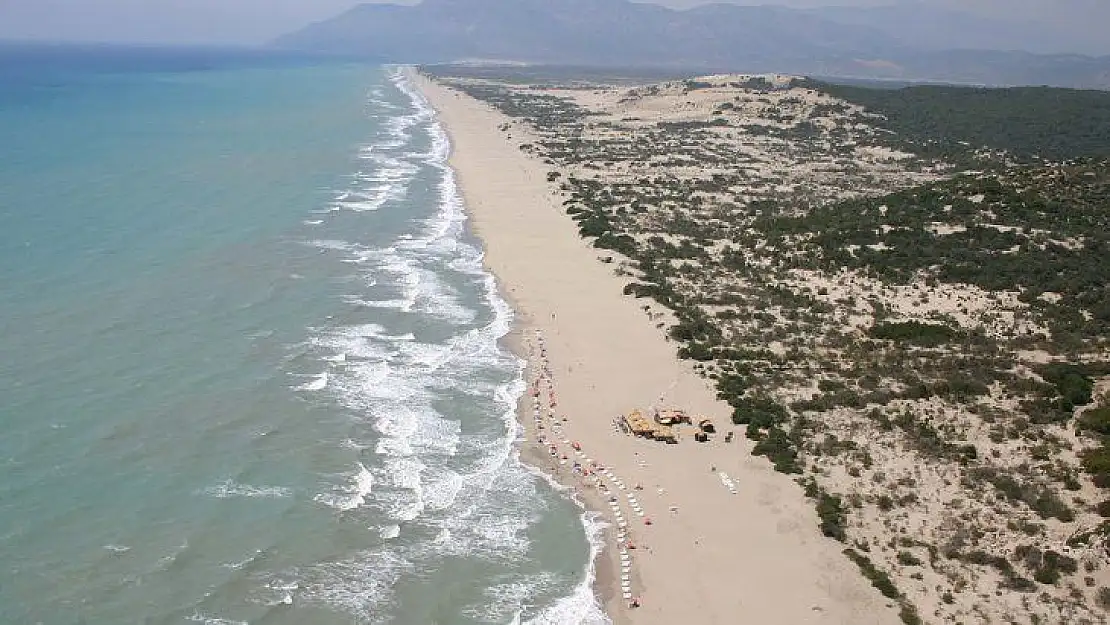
column 717, row 532
column 604, row 564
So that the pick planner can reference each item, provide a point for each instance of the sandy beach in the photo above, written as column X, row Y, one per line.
column 729, row 540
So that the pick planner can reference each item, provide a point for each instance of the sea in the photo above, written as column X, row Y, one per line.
column 251, row 365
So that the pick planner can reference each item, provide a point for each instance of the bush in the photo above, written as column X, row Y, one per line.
column 1103, row 508
column 1071, row 382
column 831, row 513
column 879, row 579
column 696, row 351
column 762, row 412
column 1053, row 566
column 1047, row 566
column 908, row 614
column 779, row 449
column 914, row 333
column 1103, row 598
column 1096, row 420
column 731, row 387
column 1040, row 498
column 906, row 558
column 1097, row 463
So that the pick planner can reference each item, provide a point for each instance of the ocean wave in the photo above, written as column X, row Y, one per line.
column 230, row 488
column 507, row 599
column 235, row 566
column 360, row 585
column 358, row 342
column 351, row 495
column 318, row 383
column 464, row 494
column 581, row 606
column 331, row 244
column 198, row 617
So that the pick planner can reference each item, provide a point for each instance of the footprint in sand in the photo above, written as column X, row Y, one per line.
column 768, row 496
column 787, row 525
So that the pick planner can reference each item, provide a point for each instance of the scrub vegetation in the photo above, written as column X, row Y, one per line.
column 903, row 295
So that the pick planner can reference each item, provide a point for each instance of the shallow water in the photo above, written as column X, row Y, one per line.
column 251, row 365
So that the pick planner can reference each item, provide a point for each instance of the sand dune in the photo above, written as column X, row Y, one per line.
column 710, row 555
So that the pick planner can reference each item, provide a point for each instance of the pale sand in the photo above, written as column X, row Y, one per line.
column 752, row 557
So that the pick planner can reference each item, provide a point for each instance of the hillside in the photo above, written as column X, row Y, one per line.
column 919, row 331
column 714, row 37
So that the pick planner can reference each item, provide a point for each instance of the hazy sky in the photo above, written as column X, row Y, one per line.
column 255, row 21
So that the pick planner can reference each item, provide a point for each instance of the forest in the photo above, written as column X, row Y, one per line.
column 1030, row 124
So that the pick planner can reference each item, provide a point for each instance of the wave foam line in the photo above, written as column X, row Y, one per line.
column 582, row 605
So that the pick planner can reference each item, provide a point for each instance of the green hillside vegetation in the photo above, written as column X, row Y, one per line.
column 1034, row 230
column 1002, row 261
column 1030, row 123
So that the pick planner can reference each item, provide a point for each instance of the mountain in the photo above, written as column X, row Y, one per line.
column 611, row 32
column 926, row 26
column 709, row 37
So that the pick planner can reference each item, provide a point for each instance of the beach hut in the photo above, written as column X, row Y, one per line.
column 671, row 416
column 707, row 426
column 639, row 425
column 666, row 434
column 701, row 437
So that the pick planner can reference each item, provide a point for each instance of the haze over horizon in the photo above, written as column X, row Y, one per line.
column 1076, row 25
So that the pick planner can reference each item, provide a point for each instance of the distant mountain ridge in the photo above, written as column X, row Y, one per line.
column 713, row 37
column 925, row 26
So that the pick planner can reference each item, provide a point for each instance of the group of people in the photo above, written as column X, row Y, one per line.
column 550, row 435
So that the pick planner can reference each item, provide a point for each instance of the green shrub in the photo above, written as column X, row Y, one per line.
column 1072, row 383
column 1103, row 508
column 762, row 412
column 914, row 333
column 905, row 558
column 1102, row 597
column 779, row 449
column 879, row 579
column 1096, row 420
column 831, row 513
column 1097, row 463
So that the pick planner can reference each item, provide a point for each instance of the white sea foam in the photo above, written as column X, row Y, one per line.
column 230, row 488
column 355, row 343
column 198, row 617
column 351, row 495
column 353, row 444
column 359, row 585
column 507, row 599
column 470, row 489
column 235, row 566
column 441, row 494
column 331, row 244
column 318, row 383
column 581, row 606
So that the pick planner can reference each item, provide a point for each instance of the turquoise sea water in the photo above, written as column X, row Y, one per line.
column 249, row 368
